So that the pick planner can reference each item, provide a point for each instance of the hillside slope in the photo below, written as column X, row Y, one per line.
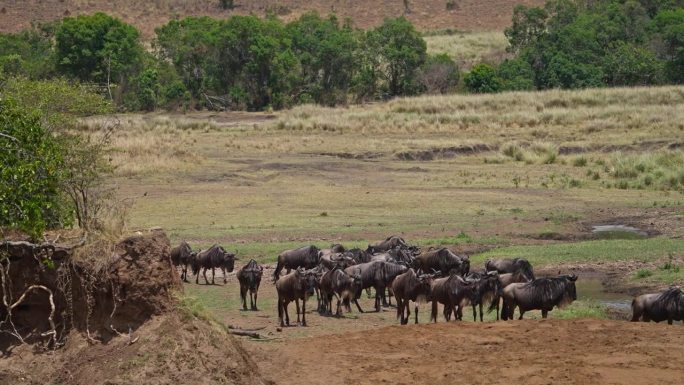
column 147, row 15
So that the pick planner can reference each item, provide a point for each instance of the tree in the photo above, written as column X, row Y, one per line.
column 52, row 172
column 401, row 51
column 670, row 25
column 529, row 25
column 97, row 48
column 630, row 65
column 516, row 75
column 327, row 55
column 482, row 78
column 30, row 176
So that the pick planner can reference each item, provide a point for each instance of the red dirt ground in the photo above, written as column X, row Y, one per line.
column 16, row 15
column 582, row 351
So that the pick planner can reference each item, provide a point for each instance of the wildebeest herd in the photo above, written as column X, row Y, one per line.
column 392, row 267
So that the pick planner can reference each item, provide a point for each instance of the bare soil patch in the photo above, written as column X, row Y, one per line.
column 583, row 351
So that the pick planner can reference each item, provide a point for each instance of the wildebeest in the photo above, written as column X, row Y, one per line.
column 334, row 249
column 341, row 285
column 306, row 257
column 389, row 243
column 390, row 271
column 450, row 291
column 372, row 275
column 214, row 257
column 486, row 289
column 443, row 260
column 409, row 286
column 182, row 255
column 333, row 260
column 250, row 279
column 292, row 287
column 541, row 294
column 508, row 265
column 358, row 255
column 509, row 278
column 667, row 305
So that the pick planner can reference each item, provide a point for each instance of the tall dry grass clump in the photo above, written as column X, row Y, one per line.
column 662, row 170
column 143, row 144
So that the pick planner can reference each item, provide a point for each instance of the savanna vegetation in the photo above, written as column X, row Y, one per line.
column 251, row 63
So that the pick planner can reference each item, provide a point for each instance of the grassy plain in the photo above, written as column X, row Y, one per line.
column 531, row 171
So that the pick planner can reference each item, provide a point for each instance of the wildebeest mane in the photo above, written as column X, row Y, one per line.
column 545, row 291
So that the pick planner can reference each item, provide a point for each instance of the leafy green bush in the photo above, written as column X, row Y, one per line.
column 483, row 78
column 31, row 173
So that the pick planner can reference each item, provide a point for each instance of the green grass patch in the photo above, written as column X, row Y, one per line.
column 643, row 273
column 619, row 235
column 646, row 250
column 581, row 309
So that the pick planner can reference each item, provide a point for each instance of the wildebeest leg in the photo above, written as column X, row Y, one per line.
column 280, row 311
column 223, row 270
column 521, row 312
column 416, row 312
column 213, row 274
column 497, row 309
column 197, row 276
column 338, row 312
column 356, row 301
column 474, row 313
column 433, row 313
column 481, row 312
column 669, row 321
column 304, row 312
column 243, row 295
column 378, row 299
column 297, row 304
column 256, row 292
column 545, row 313
column 206, row 281
column 287, row 316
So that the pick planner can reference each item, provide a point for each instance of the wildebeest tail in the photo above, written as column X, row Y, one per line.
column 278, row 269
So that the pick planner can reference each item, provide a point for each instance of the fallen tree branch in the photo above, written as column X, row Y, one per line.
column 231, row 327
column 247, row 333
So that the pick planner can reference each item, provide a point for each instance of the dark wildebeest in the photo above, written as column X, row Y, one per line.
column 450, row 291
column 486, row 289
column 250, row 279
column 541, row 294
column 341, row 260
column 358, row 255
column 372, row 275
column 306, row 257
column 292, row 287
column 214, row 257
column 343, row 286
column 657, row 307
column 182, row 255
column 389, row 243
column 443, row 260
column 509, row 278
column 390, row 271
column 334, row 249
column 409, row 286
column 508, row 265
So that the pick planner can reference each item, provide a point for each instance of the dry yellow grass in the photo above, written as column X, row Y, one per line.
column 469, row 48
column 249, row 178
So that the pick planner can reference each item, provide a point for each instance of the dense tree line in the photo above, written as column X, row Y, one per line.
column 246, row 62
column 243, row 62
column 582, row 43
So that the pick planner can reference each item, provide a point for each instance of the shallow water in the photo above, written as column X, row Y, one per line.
column 591, row 288
column 598, row 229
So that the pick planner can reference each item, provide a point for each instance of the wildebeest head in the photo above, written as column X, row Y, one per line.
column 228, row 260
column 309, row 280
column 571, row 290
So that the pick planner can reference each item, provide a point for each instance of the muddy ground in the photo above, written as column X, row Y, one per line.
column 583, row 351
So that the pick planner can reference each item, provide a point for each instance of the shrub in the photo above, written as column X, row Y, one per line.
column 483, row 78
column 643, row 273
column 439, row 74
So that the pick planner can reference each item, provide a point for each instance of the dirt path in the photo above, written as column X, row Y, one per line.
column 585, row 351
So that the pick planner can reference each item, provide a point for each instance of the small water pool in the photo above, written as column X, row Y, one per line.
column 592, row 288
